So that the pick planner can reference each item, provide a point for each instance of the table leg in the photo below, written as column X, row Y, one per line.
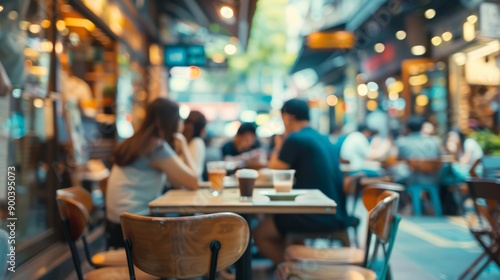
column 244, row 263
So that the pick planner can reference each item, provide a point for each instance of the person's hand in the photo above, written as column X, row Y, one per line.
column 179, row 141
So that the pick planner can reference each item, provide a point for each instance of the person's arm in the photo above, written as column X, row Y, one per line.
column 274, row 161
column 179, row 171
column 468, row 151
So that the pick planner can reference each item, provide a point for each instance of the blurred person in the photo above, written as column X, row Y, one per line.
column 194, row 131
column 245, row 140
column 466, row 151
column 142, row 163
column 428, row 129
column 316, row 162
column 245, row 147
column 380, row 147
column 415, row 145
column 355, row 149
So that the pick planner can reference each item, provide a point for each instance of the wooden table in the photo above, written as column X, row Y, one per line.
column 201, row 201
column 234, row 184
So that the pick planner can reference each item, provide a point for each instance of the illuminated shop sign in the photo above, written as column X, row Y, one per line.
column 185, row 55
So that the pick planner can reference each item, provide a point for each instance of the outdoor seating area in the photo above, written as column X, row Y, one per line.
column 250, row 139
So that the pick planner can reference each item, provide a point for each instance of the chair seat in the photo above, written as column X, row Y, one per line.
column 310, row 271
column 117, row 273
column 110, row 258
column 325, row 256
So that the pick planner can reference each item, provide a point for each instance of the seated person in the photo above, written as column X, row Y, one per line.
column 466, row 151
column 194, row 131
column 316, row 162
column 355, row 148
column 243, row 146
column 142, row 163
column 414, row 146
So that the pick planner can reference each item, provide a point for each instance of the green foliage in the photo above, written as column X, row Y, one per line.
column 489, row 142
column 267, row 43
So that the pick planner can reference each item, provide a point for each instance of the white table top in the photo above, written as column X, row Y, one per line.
column 201, row 201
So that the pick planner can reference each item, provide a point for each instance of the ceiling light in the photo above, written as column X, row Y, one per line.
column 226, row 12
column 447, row 36
column 372, row 105
column 35, row 28
column 469, row 31
column 12, row 15
column 400, row 35
column 82, row 22
column 379, row 47
column 418, row 50
column 1, row 8
column 430, row 13
column 362, row 89
column 230, row 49
column 472, row 19
column 372, row 86
column 45, row 23
column 372, row 94
column 332, row 100
column 60, row 25
column 218, row 58
column 436, row 41
column 422, row 100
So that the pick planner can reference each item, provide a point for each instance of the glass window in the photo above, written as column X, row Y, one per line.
column 27, row 119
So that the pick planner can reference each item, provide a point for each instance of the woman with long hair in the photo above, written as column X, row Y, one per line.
column 194, row 131
column 142, row 163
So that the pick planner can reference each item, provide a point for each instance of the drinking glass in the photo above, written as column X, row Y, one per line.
column 216, row 172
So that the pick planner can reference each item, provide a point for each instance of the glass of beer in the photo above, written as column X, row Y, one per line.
column 216, row 172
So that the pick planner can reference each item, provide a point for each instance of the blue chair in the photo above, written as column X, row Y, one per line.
column 424, row 178
column 310, row 263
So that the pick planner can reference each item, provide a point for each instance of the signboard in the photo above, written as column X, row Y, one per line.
column 489, row 20
column 185, row 55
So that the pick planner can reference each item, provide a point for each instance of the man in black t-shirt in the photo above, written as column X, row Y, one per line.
column 316, row 161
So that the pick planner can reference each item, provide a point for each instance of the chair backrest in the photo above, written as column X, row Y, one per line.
column 75, row 218
column 181, row 247
column 425, row 166
column 489, row 190
column 74, row 214
column 79, row 194
column 383, row 222
column 374, row 193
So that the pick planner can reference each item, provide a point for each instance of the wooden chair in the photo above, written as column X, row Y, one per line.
column 485, row 226
column 356, row 189
column 79, row 194
column 382, row 226
column 424, row 177
column 184, row 247
column 110, row 265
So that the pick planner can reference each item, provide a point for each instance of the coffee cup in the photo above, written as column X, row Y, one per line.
column 283, row 180
column 246, row 181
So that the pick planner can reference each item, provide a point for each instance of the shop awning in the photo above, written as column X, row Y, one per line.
column 206, row 14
